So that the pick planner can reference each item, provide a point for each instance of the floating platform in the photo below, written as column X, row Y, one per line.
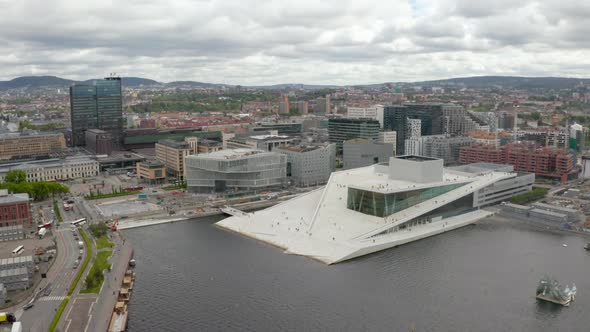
column 565, row 303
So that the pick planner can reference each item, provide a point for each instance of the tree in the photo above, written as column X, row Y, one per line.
column 16, row 176
column 536, row 116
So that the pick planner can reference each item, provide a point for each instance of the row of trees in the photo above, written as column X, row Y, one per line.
column 26, row 124
column 16, row 182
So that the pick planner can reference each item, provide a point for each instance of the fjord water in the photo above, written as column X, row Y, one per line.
column 193, row 276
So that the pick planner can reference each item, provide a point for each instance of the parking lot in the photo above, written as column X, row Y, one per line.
column 6, row 247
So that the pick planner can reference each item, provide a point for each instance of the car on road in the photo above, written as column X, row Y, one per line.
column 28, row 306
column 76, row 263
column 47, row 290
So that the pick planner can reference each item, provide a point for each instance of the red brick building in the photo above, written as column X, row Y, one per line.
column 15, row 209
column 545, row 162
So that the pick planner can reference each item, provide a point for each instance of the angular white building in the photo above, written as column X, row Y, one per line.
column 364, row 210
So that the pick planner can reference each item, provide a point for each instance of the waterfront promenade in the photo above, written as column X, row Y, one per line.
column 103, row 308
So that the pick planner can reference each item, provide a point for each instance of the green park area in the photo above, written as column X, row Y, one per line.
column 95, row 277
column 531, row 196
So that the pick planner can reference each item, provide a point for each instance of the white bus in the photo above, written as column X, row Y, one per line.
column 19, row 250
column 79, row 222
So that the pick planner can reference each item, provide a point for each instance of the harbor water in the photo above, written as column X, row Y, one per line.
column 193, row 276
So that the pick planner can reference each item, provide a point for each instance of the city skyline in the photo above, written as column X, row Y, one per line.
column 262, row 42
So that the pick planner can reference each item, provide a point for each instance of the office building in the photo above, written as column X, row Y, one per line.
column 209, row 145
column 260, row 142
column 445, row 148
column 368, row 209
column 545, row 162
column 30, row 145
column 303, row 107
column 361, row 152
column 502, row 190
column 151, row 171
column 97, row 104
column 99, row 141
column 388, row 137
column 374, row 112
column 340, row 130
column 435, row 119
column 15, row 209
column 577, row 137
column 172, row 154
column 245, row 170
column 309, row 165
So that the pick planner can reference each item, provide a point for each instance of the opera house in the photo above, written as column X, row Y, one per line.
column 364, row 210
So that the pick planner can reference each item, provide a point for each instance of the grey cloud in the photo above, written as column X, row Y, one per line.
column 308, row 41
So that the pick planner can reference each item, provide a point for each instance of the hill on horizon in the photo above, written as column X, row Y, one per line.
column 33, row 82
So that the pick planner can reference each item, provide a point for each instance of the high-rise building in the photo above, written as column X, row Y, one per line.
column 340, row 130
column 413, row 128
column 577, row 136
column 389, row 137
column 323, row 105
column 284, row 105
column 172, row 154
column 435, row 119
column 303, row 107
column 97, row 105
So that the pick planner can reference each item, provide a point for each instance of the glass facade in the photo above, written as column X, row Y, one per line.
column 96, row 105
column 340, row 130
column 383, row 205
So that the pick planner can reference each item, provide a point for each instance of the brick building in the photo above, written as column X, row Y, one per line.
column 15, row 209
column 546, row 162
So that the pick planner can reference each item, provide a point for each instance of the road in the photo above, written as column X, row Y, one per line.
column 59, row 277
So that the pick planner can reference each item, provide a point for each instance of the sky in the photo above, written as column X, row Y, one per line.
column 261, row 42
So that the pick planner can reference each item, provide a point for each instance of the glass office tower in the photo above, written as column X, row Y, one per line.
column 96, row 105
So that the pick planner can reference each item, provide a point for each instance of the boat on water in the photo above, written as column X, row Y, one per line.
column 551, row 291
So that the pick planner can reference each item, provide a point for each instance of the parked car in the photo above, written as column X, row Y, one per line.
column 28, row 306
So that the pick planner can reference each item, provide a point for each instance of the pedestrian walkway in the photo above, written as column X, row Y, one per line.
column 51, row 298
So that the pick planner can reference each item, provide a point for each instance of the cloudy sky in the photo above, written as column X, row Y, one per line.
column 294, row 41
